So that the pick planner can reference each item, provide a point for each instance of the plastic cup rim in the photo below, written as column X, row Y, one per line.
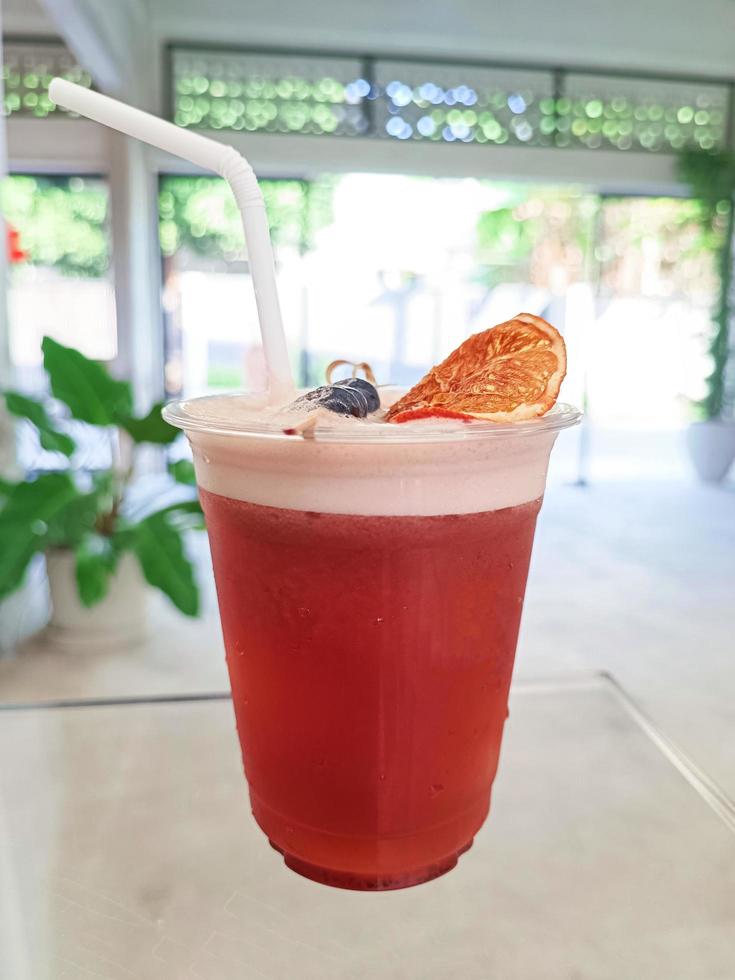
column 177, row 413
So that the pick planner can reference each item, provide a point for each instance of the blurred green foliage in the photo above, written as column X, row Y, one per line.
column 711, row 180
column 551, row 237
column 62, row 222
column 510, row 239
column 589, row 236
column 200, row 214
column 28, row 65
column 681, row 249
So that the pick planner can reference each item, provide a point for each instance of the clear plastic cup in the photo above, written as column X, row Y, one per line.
column 370, row 584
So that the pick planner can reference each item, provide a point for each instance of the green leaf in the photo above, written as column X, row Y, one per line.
column 90, row 392
column 151, row 428
column 710, row 174
column 124, row 536
column 183, row 472
column 29, row 408
column 95, row 563
column 89, row 512
column 25, row 516
column 160, row 550
column 68, row 527
column 57, row 442
column 18, row 548
column 39, row 499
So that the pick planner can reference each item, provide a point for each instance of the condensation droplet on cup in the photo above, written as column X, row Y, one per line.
column 381, row 776
column 436, row 789
column 378, row 620
column 206, row 458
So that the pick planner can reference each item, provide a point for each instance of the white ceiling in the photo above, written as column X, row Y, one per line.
column 672, row 35
column 676, row 35
column 25, row 17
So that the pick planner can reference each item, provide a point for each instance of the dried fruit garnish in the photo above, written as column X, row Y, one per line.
column 508, row 373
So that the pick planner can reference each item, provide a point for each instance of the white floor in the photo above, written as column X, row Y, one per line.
column 639, row 580
column 634, row 578
column 598, row 862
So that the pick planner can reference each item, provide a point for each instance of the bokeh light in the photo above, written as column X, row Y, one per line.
column 449, row 103
column 27, row 70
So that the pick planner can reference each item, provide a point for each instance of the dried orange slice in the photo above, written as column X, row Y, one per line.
column 508, row 373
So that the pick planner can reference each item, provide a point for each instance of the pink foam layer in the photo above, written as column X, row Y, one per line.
column 449, row 477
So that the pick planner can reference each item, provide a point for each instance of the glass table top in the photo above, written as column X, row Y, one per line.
column 127, row 850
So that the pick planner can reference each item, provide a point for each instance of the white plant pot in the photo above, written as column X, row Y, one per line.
column 712, row 448
column 119, row 621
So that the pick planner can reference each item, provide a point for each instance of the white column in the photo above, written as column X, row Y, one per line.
column 23, row 612
column 115, row 43
column 7, row 447
column 137, row 268
column 7, row 441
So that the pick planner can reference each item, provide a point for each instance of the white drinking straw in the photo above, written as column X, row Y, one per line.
column 238, row 173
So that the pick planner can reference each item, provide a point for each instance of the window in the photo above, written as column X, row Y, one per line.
column 60, row 277
column 27, row 70
column 456, row 103
column 596, row 111
column 390, row 269
column 397, row 271
column 269, row 93
column 60, row 284
column 443, row 102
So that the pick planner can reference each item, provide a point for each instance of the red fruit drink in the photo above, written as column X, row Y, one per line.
column 370, row 586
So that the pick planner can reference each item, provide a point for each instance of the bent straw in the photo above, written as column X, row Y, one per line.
column 238, row 173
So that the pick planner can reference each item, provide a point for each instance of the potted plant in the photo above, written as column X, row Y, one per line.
column 710, row 177
column 102, row 547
